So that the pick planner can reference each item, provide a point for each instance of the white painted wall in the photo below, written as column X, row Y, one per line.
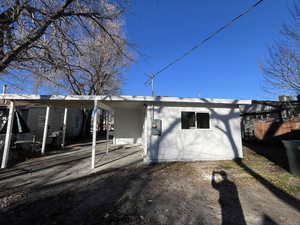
column 221, row 142
column 129, row 125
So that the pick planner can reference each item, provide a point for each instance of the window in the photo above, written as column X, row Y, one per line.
column 202, row 120
column 193, row 120
column 188, row 120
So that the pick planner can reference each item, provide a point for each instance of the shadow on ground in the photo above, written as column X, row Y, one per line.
column 171, row 193
column 228, row 199
column 275, row 152
column 117, row 196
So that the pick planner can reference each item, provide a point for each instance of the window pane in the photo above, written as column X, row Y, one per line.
column 203, row 120
column 188, row 120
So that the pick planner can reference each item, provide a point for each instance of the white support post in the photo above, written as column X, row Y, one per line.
column 64, row 128
column 45, row 130
column 8, row 135
column 145, row 131
column 95, row 113
column 107, row 132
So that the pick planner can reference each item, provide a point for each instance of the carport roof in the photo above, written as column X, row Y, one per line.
column 88, row 100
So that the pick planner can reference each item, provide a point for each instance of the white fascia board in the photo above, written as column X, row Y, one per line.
column 124, row 98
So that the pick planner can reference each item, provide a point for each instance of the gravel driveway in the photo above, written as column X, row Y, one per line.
column 223, row 192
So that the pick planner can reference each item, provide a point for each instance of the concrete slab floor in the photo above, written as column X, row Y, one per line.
column 67, row 165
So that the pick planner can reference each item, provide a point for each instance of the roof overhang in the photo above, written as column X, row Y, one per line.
column 87, row 101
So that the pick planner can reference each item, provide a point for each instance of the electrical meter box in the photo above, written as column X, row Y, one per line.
column 156, row 127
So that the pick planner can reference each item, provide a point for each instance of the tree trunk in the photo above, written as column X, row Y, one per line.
column 101, row 125
column 86, row 123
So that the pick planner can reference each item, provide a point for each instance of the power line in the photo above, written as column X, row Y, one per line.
column 246, row 11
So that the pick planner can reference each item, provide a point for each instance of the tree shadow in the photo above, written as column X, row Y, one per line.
column 271, row 131
column 99, row 198
column 284, row 196
column 54, row 169
column 274, row 152
column 157, row 143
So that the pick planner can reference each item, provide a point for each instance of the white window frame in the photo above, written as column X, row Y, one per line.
column 195, row 112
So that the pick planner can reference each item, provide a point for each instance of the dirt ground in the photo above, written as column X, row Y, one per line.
column 251, row 191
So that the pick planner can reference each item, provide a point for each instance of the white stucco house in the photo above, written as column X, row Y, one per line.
column 168, row 128
column 183, row 129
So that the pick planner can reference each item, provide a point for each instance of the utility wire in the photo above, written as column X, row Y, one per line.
column 246, row 11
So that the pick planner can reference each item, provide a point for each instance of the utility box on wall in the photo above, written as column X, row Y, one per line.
column 156, row 127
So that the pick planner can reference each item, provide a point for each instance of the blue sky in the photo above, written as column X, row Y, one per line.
column 225, row 67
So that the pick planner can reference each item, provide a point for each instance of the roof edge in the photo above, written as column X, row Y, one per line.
column 25, row 97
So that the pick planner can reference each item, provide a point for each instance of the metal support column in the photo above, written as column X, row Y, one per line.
column 10, row 122
column 64, row 128
column 107, row 132
column 45, row 130
column 95, row 113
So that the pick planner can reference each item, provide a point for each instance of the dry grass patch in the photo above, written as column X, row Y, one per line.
column 266, row 169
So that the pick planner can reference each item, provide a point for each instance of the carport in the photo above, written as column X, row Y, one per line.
column 109, row 103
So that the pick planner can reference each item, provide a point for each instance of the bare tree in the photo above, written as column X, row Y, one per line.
column 282, row 68
column 91, row 63
column 82, row 50
column 30, row 24
column 96, row 69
